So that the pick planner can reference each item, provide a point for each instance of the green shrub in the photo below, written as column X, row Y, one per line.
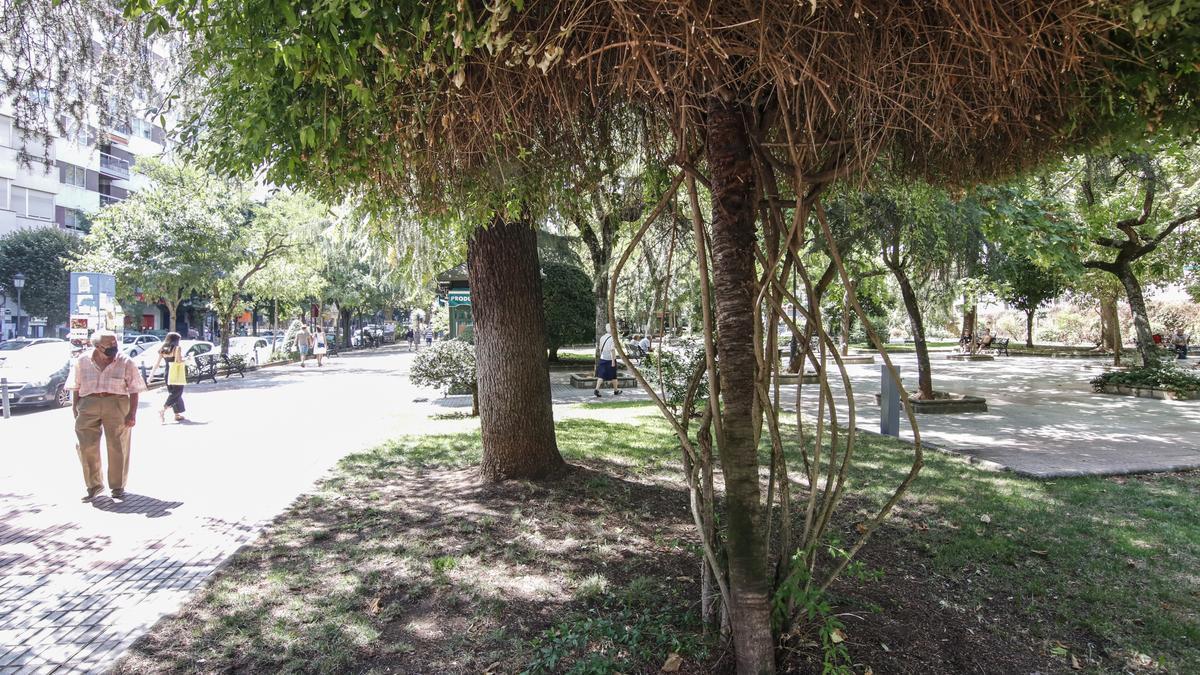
column 569, row 306
column 1163, row 377
column 448, row 365
column 677, row 364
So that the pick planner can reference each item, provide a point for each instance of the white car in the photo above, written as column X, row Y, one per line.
column 191, row 349
column 255, row 350
column 135, row 345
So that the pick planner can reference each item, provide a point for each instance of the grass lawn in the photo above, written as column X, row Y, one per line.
column 401, row 562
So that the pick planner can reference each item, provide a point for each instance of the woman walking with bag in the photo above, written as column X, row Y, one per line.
column 319, row 346
column 176, row 377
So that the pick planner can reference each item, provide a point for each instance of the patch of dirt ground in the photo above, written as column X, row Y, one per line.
column 429, row 571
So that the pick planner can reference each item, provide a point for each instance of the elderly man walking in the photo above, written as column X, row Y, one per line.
column 106, row 384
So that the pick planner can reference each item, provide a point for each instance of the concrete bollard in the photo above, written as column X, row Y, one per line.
column 4, row 396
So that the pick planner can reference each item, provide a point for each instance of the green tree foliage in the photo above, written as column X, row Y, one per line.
column 567, row 298
column 168, row 239
column 1026, row 286
column 296, row 275
column 41, row 254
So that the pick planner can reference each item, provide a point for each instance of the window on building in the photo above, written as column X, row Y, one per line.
column 73, row 219
column 32, row 203
column 143, row 128
column 4, row 193
column 6, row 131
column 75, row 175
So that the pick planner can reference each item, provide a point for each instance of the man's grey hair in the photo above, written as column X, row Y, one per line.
column 100, row 335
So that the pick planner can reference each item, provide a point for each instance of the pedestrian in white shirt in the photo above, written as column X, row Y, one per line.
column 606, row 370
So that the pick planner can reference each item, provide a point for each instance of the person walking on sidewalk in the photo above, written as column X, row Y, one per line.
column 606, row 369
column 320, row 348
column 105, row 385
column 172, row 354
column 304, row 343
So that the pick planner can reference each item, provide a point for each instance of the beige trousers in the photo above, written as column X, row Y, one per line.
column 103, row 414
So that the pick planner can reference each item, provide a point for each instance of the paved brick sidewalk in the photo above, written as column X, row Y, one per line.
column 80, row 582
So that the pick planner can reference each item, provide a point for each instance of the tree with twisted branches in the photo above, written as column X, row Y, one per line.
column 468, row 109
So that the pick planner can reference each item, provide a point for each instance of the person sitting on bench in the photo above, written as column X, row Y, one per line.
column 1180, row 342
column 985, row 340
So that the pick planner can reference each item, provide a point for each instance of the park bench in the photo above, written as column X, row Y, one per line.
column 1000, row 345
column 233, row 364
column 205, row 368
column 634, row 351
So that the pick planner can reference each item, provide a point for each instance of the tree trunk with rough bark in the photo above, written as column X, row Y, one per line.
column 1110, row 321
column 924, row 369
column 516, row 417
column 968, row 328
column 345, row 313
column 1141, row 319
column 1029, row 327
column 600, row 294
column 172, row 314
column 733, row 241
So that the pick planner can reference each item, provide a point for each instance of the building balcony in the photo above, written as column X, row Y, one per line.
column 109, row 200
column 114, row 166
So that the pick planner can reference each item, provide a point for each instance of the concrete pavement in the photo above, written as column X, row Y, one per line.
column 1043, row 419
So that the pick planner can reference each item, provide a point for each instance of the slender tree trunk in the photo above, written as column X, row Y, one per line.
column 1117, row 342
column 1141, row 319
column 345, row 318
column 600, row 294
column 1029, row 327
column 846, row 310
column 969, row 319
column 516, row 416
column 924, row 369
column 172, row 314
column 733, row 235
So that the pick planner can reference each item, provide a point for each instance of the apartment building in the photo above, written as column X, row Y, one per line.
column 66, row 181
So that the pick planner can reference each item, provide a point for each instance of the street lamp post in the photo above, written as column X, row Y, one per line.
column 18, row 283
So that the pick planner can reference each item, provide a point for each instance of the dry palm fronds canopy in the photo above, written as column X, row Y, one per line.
column 972, row 87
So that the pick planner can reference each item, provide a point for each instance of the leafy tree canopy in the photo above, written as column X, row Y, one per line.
column 41, row 254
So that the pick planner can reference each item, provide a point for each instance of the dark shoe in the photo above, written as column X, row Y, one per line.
column 597, row 393
column 91, row 494
column 118, row 493
column 617, row 392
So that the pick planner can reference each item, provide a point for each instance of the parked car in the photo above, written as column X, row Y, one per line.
column 133, row 344
column 9, row 346
column 139, row 339
column 37, row 374
column 191, row 349
column 255, row 350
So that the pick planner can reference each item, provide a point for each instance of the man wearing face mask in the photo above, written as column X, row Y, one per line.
column 106, row 384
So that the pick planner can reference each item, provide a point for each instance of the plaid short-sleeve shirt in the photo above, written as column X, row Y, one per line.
column 119, row 377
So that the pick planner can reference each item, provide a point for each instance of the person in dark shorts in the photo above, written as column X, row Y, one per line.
column 606, row 369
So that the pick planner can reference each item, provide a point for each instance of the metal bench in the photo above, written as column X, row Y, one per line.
column 999, row 345
column 233, row 364
column 205, row 368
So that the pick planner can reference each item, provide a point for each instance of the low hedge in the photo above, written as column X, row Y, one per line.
column 1162, row 377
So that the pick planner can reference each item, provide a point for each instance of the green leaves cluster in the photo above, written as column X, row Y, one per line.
column 568, row 303
column 1160, row 377
column 41, row 254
